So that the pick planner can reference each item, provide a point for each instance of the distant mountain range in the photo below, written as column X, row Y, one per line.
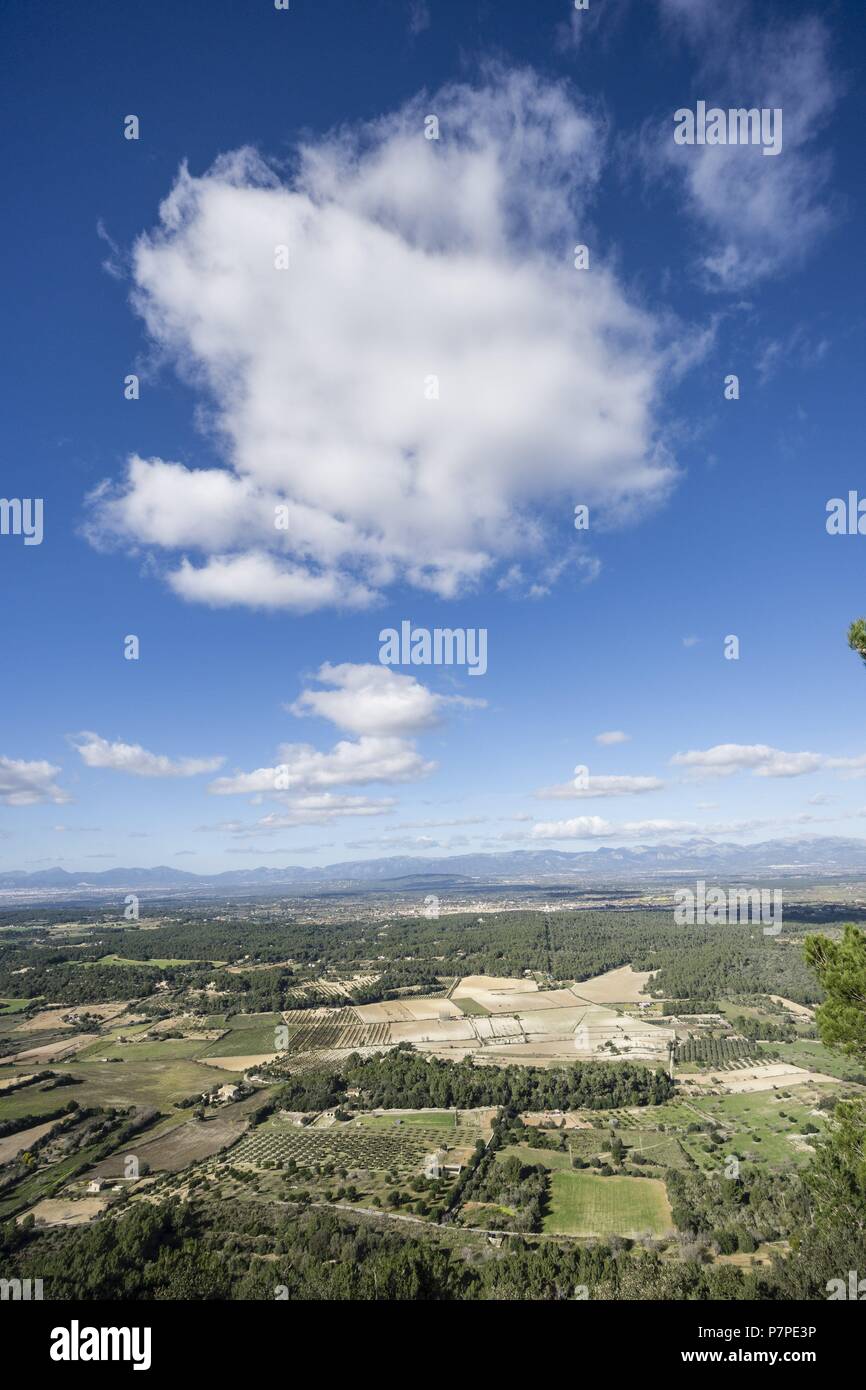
column 772, row 858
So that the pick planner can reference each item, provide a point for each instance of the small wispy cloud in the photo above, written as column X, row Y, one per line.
column 131, row 758
column 761, row 216
column 724, row 759
column 419, row 17
column 597, row 787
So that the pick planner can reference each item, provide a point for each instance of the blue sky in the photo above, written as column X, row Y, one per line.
column 306, row 387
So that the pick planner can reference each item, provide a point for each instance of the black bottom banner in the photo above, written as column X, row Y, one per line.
column 60, row 1340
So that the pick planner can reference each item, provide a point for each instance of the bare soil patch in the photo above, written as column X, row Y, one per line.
column 621, row 986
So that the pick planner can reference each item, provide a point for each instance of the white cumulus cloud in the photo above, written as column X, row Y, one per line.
column 409, row 259
column 29, row 783
column 373, row 702
column 724, row 759
column 300, row 767
column 368, row 699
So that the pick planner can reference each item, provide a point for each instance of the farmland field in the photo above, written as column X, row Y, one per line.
column 153, row 1050
column 358, row 1146
column 619, row 986
column 427, row 1119
column 583, row 1204
column 135, row 1083
column 472, row 1006
column 552, row 1159
column 759, row 1127
column 239, row 1042
column 813, row 1056
column 186, row 1142
column 338, row 1029
column 13, row 1006
column 371, row 1141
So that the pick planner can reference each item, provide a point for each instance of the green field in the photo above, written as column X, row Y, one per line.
column 663, row 1149
column 245, row 1021
column 240, row 1042
column 471, row 1006
column 756, row 1126
column 584, row 1204
column 551, row 1159
column 14, row 1006
column 657, row 1148
column 429, row 1119
column 34, row 1100
column 813, row 1056
column 123, row 1084
column 153, row 1050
